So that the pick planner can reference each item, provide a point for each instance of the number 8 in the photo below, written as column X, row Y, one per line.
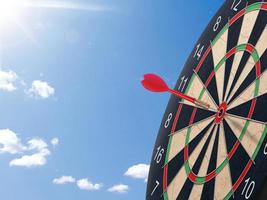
column 217, row 24
column 167, row 123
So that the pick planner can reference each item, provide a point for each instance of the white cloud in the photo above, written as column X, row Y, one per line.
column 9, row 142
column 41, row 89
column 37, row 144
column 120, row 188
column 7, row 79
column 55, row 142
column 84, row 184
column 139, row 171
column 38, row 158
column 64, row 180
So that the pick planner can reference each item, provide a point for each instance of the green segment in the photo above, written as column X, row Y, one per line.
column 228, row 196
column 166, row 196
column 200, row 180
column 223, row 60
column 202, row 93
column 252, row 7
column 244, row 130
column 187, row 167
column 219, row 34
column 260, row 143
column 241, row 47
column 255, row 56
column 257, row 87
column 190, row 83
column 168, row 150
column 220, row 168
column 188, row 136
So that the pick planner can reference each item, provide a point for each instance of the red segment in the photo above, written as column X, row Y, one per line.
column 252, row 107
column 221, row 113
column 258, row 69
column 192, row 177
column 210, row 78
column 165, row 177
column 242, row 176
column 210, row 176
column 237, row 16
column 250, row 48
column 176, row 118
column 230, row 53
column 203, row 59
column 264, row 6
column 186, row 155
column 233, row 150
column 193, row 116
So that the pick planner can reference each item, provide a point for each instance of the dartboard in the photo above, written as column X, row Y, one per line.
column 219, row 152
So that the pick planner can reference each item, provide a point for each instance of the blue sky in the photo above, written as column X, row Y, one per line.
column 71, row 71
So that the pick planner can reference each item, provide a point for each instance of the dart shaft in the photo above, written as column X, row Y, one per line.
column 182, row 96
column 190, row 99
column 202, row 104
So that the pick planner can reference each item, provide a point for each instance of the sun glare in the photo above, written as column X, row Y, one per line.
column 9, row 9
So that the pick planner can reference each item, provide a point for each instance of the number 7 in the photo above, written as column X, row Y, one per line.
column 157, row 185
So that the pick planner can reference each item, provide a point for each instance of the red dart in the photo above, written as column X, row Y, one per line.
column 155, row 83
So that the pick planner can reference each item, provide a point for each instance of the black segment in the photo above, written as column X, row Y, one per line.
column 259, row 27
column 208, row 189
column 251, row 77
column 178, row 161
column 186, row 113
column 239, row 160
column 187, row 188
column 156, row 172
column 240, row 69
column 204, row 73
column 233, row 36
column 259, row 114
column 212, row 88
column 256, row 33
column 246, row 83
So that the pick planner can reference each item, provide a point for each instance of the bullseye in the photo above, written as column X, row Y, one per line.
column 221, row 113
